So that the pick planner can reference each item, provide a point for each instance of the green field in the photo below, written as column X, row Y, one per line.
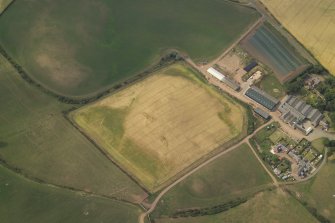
column 318, row 144
column 29, row 202
column 271, row 85
column 234, row 175
column 37, row 139
column 77, row 48
column 262, row 137
column 319, row 192
column 265, row 207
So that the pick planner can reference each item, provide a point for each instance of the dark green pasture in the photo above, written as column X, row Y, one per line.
column 236, row 174
column 77, row 48
column 37, row 140
column 22, row 200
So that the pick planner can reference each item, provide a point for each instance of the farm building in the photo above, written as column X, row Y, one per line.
column 296, row 111
column 262, row 97
column 250, row 66
column 262, row 113
column 226, row 80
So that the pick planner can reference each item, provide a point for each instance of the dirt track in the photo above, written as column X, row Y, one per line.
column 163, row 192
column 240, row 96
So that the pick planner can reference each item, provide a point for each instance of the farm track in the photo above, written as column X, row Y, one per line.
column 203, row 70
column 163, row 192
column 252, row 28
column 246, row 140
column 238, row 95
column 275, row 181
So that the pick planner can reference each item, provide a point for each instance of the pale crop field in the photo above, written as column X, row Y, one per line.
column 312, row 22
column 4, row 4
column 159, row 126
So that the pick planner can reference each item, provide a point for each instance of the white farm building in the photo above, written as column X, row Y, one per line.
column 218, row 75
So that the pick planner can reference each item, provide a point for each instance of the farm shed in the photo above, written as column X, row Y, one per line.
column 229, row 82
column 250, row 66
column 262, row 113
column 295, row 110
column 262, row 98
column 216, row 74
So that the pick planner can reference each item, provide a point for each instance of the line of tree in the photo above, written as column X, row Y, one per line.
column 326, row 89
column 167, row 59
column 208, row 211
column 310, row 209
column 296, row 86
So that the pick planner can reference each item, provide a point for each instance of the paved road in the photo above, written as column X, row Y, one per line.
column 163, row 192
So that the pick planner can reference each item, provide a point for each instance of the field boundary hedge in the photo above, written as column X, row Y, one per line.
column 29, row 177
column 312, row 210
column 168, row 59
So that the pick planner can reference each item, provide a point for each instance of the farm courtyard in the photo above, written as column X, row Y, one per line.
column 159, row 126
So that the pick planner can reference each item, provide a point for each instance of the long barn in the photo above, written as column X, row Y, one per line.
column 262, row 98
column 221, row 77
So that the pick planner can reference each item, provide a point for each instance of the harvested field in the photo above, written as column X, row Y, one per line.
column 312, row 22
column 37, row 140
column 4, row 4
column 268, row 46
column 77, row 48
column 159, row 126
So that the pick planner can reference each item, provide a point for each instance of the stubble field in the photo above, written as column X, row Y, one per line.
column 312, row 22
column 159, row 126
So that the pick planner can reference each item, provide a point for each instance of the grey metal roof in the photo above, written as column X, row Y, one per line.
column 296, row 107
column 262, row 113
column 232, row 84
column 262, row 97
